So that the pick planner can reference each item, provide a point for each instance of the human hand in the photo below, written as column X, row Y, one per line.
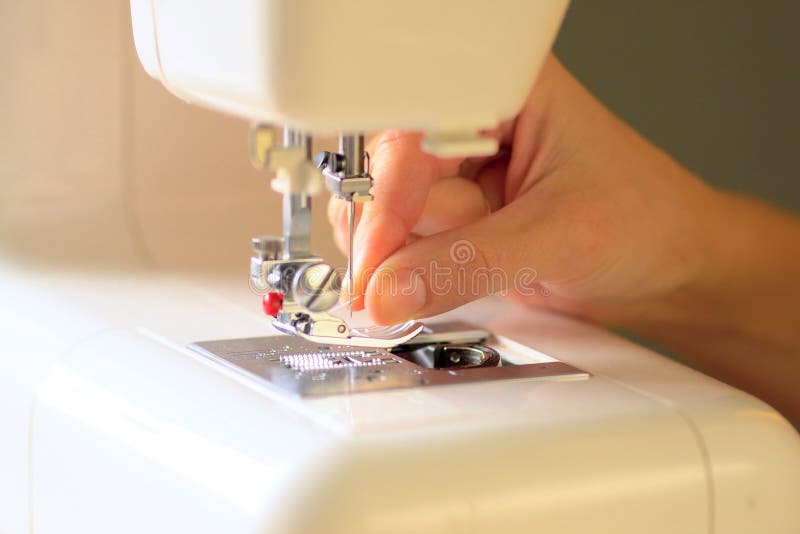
column 578, row 213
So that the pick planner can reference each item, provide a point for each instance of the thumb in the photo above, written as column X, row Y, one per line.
column 434, row 274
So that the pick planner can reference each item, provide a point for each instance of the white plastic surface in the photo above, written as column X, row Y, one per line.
column 142, row 424
column 114, row 199
column 328, row 66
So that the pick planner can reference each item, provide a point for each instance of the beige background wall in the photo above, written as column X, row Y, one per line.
column 101, row 168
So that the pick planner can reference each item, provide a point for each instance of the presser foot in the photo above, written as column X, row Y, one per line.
column 327, row 329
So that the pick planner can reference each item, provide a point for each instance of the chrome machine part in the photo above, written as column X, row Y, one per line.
column 317, row 286
column 304, row 368
column 277, row 259
column 452, row 356
column 312, row 287
column 294, row 177
column 307, row 288
column 329, row 330
column 297, row 205
column 347, row 177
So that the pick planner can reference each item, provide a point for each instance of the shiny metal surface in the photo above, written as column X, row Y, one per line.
column 352, row 148
column 353, row 185
column 267, row 248
column 447, row 356
column 285, row 264
column 305, row 368
column 327, row 329
column 317, row 286
column 296, row 206
column 351, row 233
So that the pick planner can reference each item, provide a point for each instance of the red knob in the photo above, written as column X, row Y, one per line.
column 272, row 303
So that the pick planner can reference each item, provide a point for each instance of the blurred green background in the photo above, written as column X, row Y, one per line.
column 714, row 83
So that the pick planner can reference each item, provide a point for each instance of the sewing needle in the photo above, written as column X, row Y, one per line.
column 351, row 215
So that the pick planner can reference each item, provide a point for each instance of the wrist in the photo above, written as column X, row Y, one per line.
column 708, row 253
column 743, row 286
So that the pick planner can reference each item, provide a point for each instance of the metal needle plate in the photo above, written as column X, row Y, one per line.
column 304, row 368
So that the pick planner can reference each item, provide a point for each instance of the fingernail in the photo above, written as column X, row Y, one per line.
column 402, row 294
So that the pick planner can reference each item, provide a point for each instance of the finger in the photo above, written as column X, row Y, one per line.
column 491, row 179
column 340, row 236
column 471, row 167
column 403, row 176
column 502, row 252
column 336, row 213
column 451, row 202
column 335, row 208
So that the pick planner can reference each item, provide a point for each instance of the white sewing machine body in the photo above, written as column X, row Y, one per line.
column 128, row 430
column 114, row 424
column 325, row 67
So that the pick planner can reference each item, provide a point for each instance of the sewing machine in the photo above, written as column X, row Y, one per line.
column 407, row 67
column 183, row 407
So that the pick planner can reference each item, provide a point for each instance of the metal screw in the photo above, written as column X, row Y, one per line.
column 316, row 286
column 267, row 247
